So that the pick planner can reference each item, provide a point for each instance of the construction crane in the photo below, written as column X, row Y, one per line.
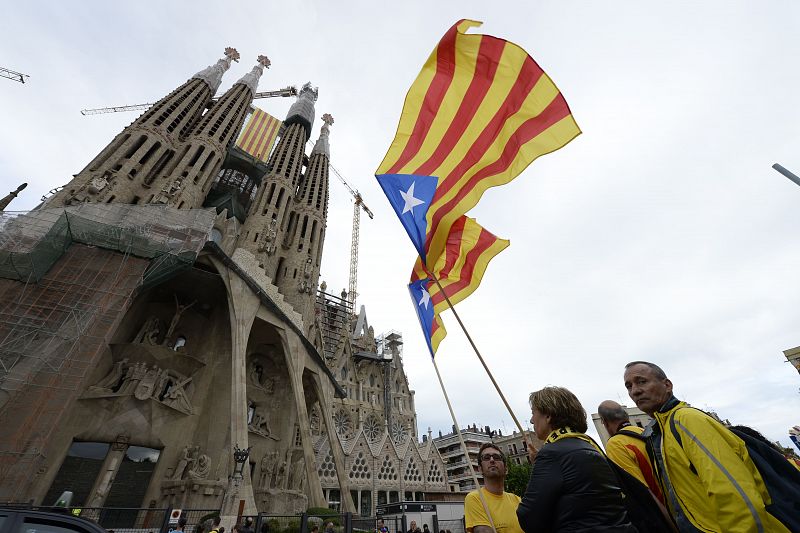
column 358, row 206
column 13, row 75
column 286, row 91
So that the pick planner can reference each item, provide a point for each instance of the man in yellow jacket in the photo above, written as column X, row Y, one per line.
column 626, row 445
column 707, row 477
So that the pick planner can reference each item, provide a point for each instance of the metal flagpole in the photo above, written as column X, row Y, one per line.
column 464, row 447
column 478, row 353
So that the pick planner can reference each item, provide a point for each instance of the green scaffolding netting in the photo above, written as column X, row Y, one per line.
column 30, row 242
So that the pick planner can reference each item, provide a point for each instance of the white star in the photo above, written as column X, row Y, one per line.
column 425, row 297
column 410, row 201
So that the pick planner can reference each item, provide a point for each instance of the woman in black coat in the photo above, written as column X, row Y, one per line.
column 572, row 487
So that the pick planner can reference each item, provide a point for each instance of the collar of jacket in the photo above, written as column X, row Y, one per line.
column 670, row 404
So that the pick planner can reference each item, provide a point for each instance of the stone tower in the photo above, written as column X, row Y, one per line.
column 272, row 221
column 205, row 148
column 305, row 233
column 133, row 166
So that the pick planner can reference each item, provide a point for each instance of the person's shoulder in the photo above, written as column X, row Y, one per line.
column 513, row 497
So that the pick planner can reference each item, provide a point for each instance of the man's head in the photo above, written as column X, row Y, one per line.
column 413, row 525
column 425, row 527
column 492, row 461
column 648, row 386
column 380, row 522
column 612, row 416
column 329, row 526
column 315, row 528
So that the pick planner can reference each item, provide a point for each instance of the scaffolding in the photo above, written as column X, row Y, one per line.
column 70, row 275
column 334, row 319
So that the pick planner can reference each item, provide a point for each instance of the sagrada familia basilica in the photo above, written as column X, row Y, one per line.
column 164, row 308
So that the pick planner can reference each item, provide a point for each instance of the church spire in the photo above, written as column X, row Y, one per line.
column 212, row 74
column 251, row 78
column 322, row 146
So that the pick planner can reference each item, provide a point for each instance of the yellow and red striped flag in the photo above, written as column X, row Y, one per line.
column 259, row 135
column 479, row 112
column 467, row 252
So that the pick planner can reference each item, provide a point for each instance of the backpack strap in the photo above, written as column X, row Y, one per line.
column 630, row 433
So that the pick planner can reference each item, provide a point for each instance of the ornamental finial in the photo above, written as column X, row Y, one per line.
column 264, row 61
column 232, row 53
column 327, row 119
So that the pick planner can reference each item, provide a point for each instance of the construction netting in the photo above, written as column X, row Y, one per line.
column 67, row 277
column 31, row 242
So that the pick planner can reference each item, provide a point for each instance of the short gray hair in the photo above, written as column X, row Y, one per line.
column 654, row 367
column 613, row 414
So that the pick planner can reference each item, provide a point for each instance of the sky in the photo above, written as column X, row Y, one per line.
column 661, row 233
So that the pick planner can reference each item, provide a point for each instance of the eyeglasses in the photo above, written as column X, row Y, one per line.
column 488, row 456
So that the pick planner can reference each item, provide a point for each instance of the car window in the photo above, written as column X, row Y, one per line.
column 34, row 525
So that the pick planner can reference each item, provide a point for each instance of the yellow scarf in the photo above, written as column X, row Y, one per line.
column 567, row 432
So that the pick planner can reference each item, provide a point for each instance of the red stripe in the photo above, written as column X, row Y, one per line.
column 453, row 247
column 257, row 126
column 273, row 125
column 529, row 76
column 485, row 240
column 489, row 54
column 445, row 69
column 530, row 129
column 647, row 471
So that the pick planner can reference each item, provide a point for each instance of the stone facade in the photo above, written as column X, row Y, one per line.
column 136, row 361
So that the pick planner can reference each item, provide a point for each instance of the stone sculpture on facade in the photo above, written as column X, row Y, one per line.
column 179, row 310
column 201, row 468
column 260, row 423
column 268, row 464
column 169, row 193
column 186, row 462
column 113, row 380
column 266, row 243
column 298, row 476
column 148, row 334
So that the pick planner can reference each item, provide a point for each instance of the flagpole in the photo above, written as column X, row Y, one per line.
column 464, row 447
column 478, row 353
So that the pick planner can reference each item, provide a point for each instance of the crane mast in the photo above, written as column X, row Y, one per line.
column 13, row 75
column 358, row 206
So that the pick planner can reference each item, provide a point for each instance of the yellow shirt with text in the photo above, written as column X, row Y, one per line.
column 503, row 509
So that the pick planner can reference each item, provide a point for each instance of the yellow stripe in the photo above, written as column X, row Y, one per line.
column 440, row 334
column 466, row 55
column 408, row 117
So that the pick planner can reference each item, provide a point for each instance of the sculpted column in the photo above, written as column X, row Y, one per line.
column 242, row 305
column 108, row 472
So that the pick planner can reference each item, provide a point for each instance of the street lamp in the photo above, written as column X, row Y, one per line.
column 240, row 458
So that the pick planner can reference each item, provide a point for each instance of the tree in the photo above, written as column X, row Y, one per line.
column 517, row 477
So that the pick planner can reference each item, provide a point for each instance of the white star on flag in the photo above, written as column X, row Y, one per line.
column 410, row 201
column 425, row 298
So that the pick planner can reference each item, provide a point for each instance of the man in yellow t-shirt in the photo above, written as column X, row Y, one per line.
column 502, row 505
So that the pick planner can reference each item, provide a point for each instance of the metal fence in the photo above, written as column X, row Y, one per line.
column 451, row 526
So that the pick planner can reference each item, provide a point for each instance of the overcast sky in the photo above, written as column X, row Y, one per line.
column 660, row 233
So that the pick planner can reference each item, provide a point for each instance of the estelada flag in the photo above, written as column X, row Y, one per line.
column 480, row 111
column 259, row 135
column 468, row 250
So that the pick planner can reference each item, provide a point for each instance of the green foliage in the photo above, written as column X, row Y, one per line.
column 327, row 515
column 517, row 478
column 274, row 525
column 292, row 527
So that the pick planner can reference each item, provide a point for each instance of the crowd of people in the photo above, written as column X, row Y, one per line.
column 685, row 472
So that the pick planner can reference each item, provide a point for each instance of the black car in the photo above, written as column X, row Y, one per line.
column 18, row 520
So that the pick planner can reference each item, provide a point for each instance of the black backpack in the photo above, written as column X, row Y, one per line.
column 643, row 508
column 780, row 477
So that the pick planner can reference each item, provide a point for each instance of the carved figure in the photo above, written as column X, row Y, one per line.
column 146, row 386
column 186, row 461
column 298, row 475
column 179, row 310
column 97, row 184
column 260, row 423
column 269, row 385
column 256, row 374
column 201, row 468
column 307, row 268
column 267, row 241
column 268, row 464
column 113, row 380
column 282, row 477
column 169, row 192
column 149, row 331
column 177, row 398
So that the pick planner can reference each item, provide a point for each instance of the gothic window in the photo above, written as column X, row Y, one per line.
column 344, row 373
column 434, row 473
column 360, row 470
column 412, row 472
column 372, row 380
column 372, row 428
column 298, row 441
column 398, row 432
column 342, row 423
column 327, row 469
column 387, row 471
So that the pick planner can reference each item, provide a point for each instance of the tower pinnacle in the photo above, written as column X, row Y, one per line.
column 212, row 75
column 251, row 78
column 322, row 146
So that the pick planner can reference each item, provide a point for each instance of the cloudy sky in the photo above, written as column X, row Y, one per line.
column 661, row 233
